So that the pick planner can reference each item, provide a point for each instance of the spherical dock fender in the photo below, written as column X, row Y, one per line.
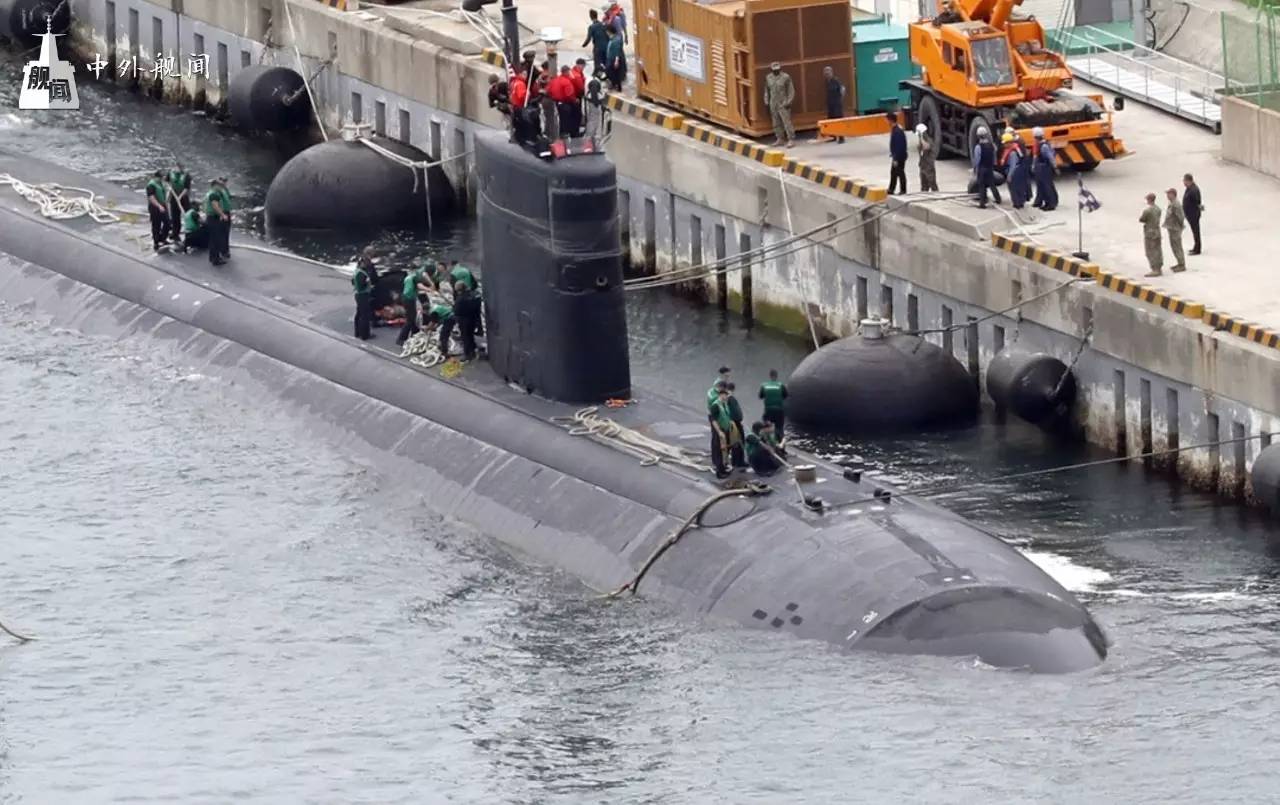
column 874, row 383
column 21, row 21
column 265, row 97
column 1031, row 385
column 343, row 184
column 1266, row 477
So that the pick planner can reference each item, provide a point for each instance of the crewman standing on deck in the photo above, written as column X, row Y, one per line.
column 721, row 426
column 157, row 210
column 409, row 293
column 722, row 380
column 774, row 394
column 466, row 309
column 736, row 436
column 362, row 286
column 179, row 196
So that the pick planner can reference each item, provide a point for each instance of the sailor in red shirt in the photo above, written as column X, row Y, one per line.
column 579, row 76
column 565, row 94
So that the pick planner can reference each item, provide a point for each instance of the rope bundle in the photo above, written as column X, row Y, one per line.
column 588, row 422
column 55, row 200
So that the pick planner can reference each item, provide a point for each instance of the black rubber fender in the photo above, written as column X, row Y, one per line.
column 22, row 21
column 265, row 97
column 1031, row 385
column 1266, row 477
column 869, row 386
column 344, row 184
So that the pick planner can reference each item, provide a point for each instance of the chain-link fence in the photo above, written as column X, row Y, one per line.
column 1251, row 56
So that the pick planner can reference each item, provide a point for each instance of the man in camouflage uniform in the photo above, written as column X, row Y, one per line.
column 1174, row 222
column 779, row 92
column 1150, row 220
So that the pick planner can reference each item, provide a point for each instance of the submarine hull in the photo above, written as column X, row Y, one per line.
column 906, row 577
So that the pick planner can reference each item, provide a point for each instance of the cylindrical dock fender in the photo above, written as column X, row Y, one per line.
column 1035, row 386
column 343, row 184
column 21, row 21
column 1266, row 477
column 873, row 383
column 266, row 97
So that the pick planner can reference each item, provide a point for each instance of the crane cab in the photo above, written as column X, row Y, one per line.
column 968, row 61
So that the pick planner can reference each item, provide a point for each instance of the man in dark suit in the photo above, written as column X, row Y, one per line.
column 897, row 156
column 1192, row 206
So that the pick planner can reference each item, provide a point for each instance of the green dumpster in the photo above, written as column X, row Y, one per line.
column 881, row 58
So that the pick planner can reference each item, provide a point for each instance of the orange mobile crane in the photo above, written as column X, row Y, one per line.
column 984, row 69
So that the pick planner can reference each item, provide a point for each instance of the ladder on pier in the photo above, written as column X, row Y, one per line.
column 1145, row 75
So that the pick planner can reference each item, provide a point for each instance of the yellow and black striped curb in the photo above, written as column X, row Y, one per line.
column 494, row 57
column 1058, row 262
column 1238, row 327
column 649, row 114
column 1145, row 293
column 771, row 157
column 826, row 178
column 341, row 5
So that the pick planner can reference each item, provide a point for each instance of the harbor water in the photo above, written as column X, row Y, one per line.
column 228, row 607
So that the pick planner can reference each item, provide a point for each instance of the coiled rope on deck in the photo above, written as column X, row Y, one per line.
column 422, row 350
column 54, row 200
column 752, row 489
column 588, row 422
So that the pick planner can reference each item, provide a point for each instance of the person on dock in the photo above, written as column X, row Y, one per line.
column 897, row 155
column 594, row 107
column 362, row 289
column 410, row 291
column 466, row 310
column 1044, row 170
column 774, row 394
column 615, row 68
column 722, row 381
column 565, row 96
column 499, row 95
column 158, row 210
column 615, row 17
column 984, row 169
column 1150, row 220
column 579, row 76
column 179, row 197
column 598, row 39
column 760, row 455
column 926, row 159
column 217, row 220
column 195, row 235
column 1174, row 222
column 1018, row 168
column 1192, row 206
column 779, row 94
column 721, row 426
column 836, row 93
column 441, row 317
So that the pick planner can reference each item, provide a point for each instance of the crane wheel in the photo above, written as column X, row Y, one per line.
column 980, row 122
column 928, row 113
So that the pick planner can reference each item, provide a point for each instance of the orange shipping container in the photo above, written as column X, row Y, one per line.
column 710, row 59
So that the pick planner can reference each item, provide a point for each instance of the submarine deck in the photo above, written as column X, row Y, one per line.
column 324, row 297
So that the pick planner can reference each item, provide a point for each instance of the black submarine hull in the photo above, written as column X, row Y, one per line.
column 906, row 577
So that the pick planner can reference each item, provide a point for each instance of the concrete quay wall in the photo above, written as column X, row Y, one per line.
column 1150, row 379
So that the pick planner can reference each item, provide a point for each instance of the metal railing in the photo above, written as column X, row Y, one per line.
column 1146, row 75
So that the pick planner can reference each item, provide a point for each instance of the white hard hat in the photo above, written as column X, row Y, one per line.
column 1038, row 133
column 983, row 134
column 921, row 128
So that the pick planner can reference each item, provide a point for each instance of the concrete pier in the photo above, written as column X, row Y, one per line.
column 1158, row 367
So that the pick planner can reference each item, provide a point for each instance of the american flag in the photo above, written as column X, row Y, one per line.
column 1088, row 201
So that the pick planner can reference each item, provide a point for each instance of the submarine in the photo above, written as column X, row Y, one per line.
column 506, row 446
